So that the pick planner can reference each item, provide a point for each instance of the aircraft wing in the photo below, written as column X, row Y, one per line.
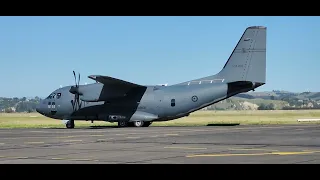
column 107, row 80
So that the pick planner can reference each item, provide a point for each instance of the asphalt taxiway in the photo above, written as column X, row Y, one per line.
column 287, row 144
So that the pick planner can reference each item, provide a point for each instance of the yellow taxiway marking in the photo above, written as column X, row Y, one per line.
column 34, row 142
column 239, row 149
column 295, row 153
column 253, row 154
column 175, row 147
column 75, row 140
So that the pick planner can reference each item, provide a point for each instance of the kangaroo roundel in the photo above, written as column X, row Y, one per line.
column 194, row 98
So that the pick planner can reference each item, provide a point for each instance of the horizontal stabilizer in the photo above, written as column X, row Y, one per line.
column 106, row 80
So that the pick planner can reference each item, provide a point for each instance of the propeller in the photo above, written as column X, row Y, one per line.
column 75, row 90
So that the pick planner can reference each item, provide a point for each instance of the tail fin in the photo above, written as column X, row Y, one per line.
column 248, row 60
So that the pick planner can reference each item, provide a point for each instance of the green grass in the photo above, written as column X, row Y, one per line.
column 199, row 118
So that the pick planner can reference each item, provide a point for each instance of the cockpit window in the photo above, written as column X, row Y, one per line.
column 54, row 95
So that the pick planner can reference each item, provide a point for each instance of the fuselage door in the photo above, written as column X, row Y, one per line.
column 159, row 102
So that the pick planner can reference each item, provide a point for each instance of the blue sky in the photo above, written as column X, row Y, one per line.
column 38, row 54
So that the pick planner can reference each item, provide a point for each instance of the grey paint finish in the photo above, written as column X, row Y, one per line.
column 176, row 100
column 111, row 99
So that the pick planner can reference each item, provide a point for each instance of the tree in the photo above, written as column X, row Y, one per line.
column 270, row 106
column 8, row 110
column 262, row 107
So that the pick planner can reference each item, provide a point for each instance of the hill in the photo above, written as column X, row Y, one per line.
column 267, row 100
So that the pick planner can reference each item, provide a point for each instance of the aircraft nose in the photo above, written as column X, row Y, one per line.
column 39, row 108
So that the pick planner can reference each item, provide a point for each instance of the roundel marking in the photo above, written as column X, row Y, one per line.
column 194, row 98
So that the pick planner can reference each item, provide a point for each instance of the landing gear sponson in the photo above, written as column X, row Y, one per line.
column 134, row 124
column 70, row 124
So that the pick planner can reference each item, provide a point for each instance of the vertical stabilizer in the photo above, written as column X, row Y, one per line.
column 247, row 62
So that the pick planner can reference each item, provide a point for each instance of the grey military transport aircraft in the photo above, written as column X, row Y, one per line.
column 129, row 104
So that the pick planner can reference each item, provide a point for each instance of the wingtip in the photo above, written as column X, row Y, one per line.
column 92, row 76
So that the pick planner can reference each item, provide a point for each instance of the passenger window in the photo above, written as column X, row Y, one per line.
column 173, row 102
column 58, row 95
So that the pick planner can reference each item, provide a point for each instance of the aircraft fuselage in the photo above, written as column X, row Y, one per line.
column 150, row 103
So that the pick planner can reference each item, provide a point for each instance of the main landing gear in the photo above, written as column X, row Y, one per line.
column 134, row 124
column 70, row 124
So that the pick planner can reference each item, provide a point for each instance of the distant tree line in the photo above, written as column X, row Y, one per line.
column 266, row 107
column 15, row 104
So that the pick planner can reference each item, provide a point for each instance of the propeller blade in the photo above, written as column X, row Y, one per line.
column 75, row 78
column 79, row 79
column 74, row 90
